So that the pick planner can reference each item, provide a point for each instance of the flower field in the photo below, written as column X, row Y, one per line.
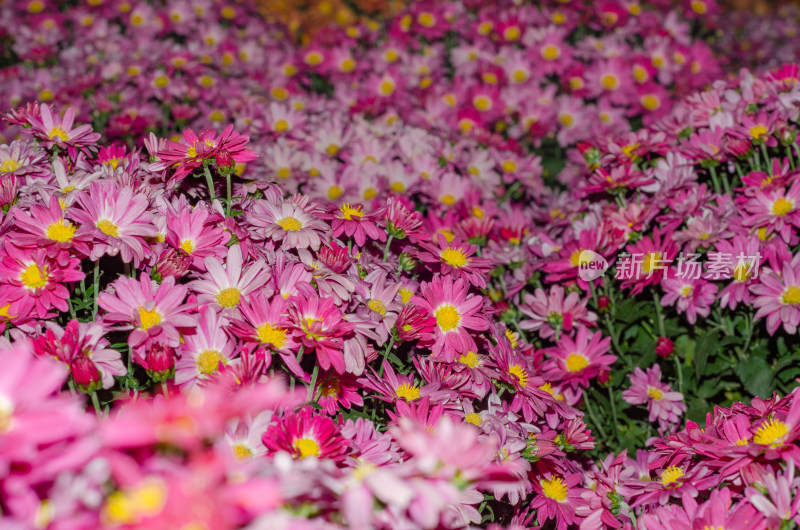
column 399, row 265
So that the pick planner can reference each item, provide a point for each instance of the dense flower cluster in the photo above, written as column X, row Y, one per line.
column 359, row 304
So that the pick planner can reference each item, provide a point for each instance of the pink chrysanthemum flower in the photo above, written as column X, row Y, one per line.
column 778, row 208
column 225, row 287
column 155, row 313
column 743, row 251
column 290, row 224
column 393, row 387
column 192, row 231
column 777, row 297
column 84, row 349
column 456, row 315
column 118, row 219
column 647, row 262
column 693, row 296
column 662, row 403
column 575, row 362
column 351, row 221
column 380, row 304
column 304, row 435
column 47, row 227
column 557, row 498
column 57, row 131
column 553, row 311
column 32, row 281
column 204, row 351
column 244, row 436
column 338, row 391
column 320, row 326
column 456, row 258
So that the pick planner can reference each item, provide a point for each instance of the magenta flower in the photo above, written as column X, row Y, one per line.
column 557, row 498
column 662, row 403
column 337, row 391
column 456, row 258
column 118, row 219
column 777, row 297
column 320, row 326
column 456, row 315
column 33, row 282
column 57, row 131
column 351, row 221
column 290, row 224
column 203, row 352
column 553, row 311
column 48, row 227
column 225, row 287
column 155, row 313
column 693, row 296
column 193, row 231
column 575, row 362
column 305, row 435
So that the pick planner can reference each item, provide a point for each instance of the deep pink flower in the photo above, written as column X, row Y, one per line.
column 54, row 130
column 319, row 325
column 663, row 404
column 304, row 435
column 576, row 362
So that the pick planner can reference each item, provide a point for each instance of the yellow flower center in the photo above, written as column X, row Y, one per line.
column 551, row 52
column 771, row 433
column 187, row 245
column 454, row 257
column 520, row 373
column 426, row 19
column 208, row 361
column 554, row 489
column 782, row 206
column 473, row 418
column 650, row 102
column 791, row 296
column 350, row 212
column 447, row 317
column 651, row 260
column 290, row 224
column 148, row 319
column 273, row 335
column 576, row 362
column 575, row 257
column 281, row 125
column 62, row 231
column 512, row 33
column 407, row 392
column 229, row 297
column 307, row 447
column 699, row 7
column 655, row 393
column 482, row 103
column 59, row 132
column 108, row 228
column 757, row 131
column 284, row 173
column 33, row 277
column 9, row 165
column 671, row 475
column 334, row 192
column 609, row 82
column 242, row 452
column 377, row 306
column 512, row 337
column 470, row 359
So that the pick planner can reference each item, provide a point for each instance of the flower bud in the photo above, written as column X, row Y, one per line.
column 664, row 347
column 604, row 378
column 172, row 263
column 225, row 162
column 407, row 263
column 160, row 362
column 85, row 373
column 603, row 303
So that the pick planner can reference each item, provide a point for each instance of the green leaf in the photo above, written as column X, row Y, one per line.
column 756, row 376
column 706, row 345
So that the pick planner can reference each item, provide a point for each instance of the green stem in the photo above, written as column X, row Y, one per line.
column 386, row 354
column 165, row 388
column 660, row 314
column 613, row 410
column 593, row 416
column 96, row 280
column 680, row 372
column 313, row 384
column 228, row 203
column 96, row 403
column 210, row 183
column 714, row 179
column 386, row 248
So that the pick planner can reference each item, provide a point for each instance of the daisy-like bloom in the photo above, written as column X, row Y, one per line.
column 577, row 361
column 693, row 296
column 54, row 130
column 456, row 258
column 85, row 350
column 31, row 281
column 662, row 403
column 393, row 387
column 225, row 287
column 351, row 221
column 305, row 435
column 47, row 227
column 553, row 312
column 155, row 313
column 414, row 323
column 777, row 297
column 21, row 158
column 647, row 262
column 780, row 502
column 290, row 224
column 744, row 251
column 557, row 498
column 194, row 233
column 456, row 315
column 244, row 436
column 204, row 351
column 338, row 391
column 118, row 219
column 778, row 208
column 320, row 326
column 380, row 304
column 402, row 222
